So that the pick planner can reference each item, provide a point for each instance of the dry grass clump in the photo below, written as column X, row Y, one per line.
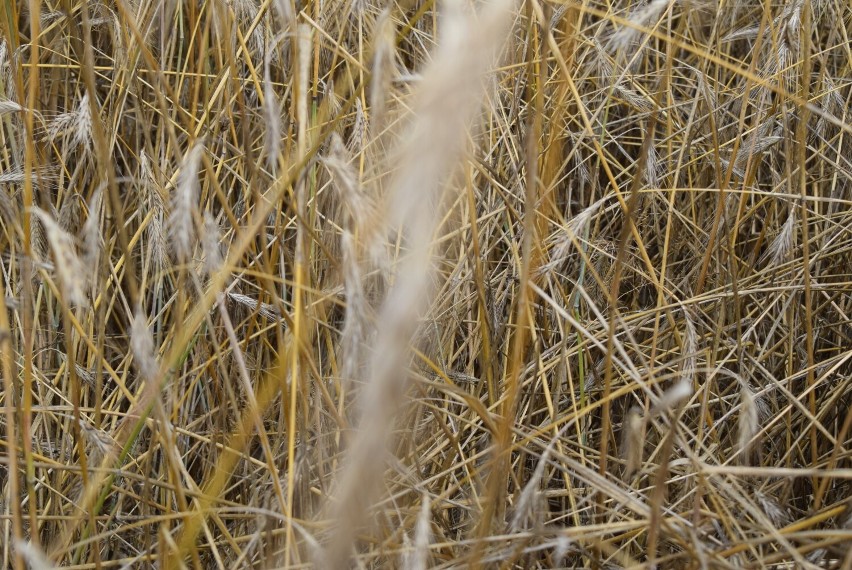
column 424, row 285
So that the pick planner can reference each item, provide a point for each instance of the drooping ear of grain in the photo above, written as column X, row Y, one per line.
column 572, row 234
column 527, row 506
column 142, row 346
column 34, row 555
column 641, row 17
column 355, row 323
column 384, row 66
column 749, row 419
column 272, row 114
column 418, row 558
column 76, row 124
column 92, row 239
column 782, row 245
column 184, row 203
column 633, row 441
column 210, row 245
column 68, row 265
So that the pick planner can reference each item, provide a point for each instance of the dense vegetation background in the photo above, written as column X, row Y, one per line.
column 504, row 284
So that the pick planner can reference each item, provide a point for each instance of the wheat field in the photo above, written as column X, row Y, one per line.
column 426, row 284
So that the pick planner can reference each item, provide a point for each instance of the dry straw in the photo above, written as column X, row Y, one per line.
column 345, row 287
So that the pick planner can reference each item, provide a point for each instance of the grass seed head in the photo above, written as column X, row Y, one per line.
column 384, row 67
column 749, row 419
column 67, row 263
column 76, row 123
column 142, row 347
column 212, row 251
column 640, row 18
column 633, row 441
column 272, row 113
column 782, row 245
column 185, row 203
column 92, row 239
column 418, row 559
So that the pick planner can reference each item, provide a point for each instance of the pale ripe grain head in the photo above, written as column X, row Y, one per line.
column 67, row 263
